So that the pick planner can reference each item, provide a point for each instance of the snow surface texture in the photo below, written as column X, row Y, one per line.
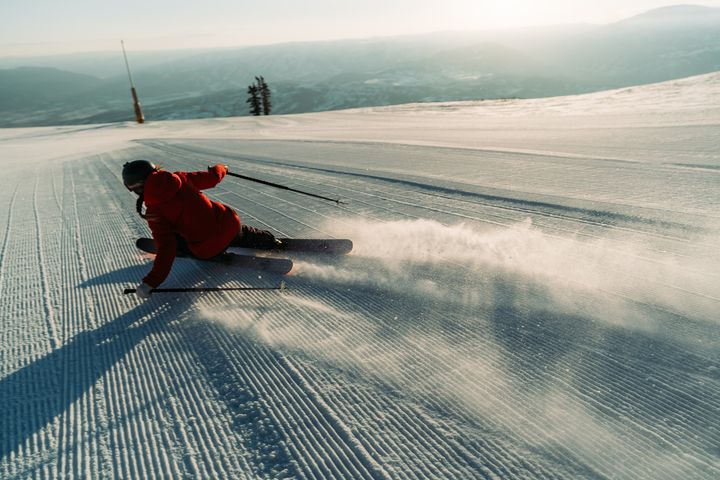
column 534, row 293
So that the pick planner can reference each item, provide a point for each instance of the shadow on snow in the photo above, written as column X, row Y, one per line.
column 36, row 394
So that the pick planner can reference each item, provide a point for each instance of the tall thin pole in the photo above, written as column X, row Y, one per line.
column 284, row 187
column 139, row 117
column 282, row 286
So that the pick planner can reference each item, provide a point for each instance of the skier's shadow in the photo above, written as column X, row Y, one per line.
column 39, row 392
column 128, row 275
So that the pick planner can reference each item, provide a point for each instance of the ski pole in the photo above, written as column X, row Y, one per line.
column 206, row 289
column 276, row 185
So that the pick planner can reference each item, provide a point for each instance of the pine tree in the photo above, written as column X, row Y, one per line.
column 254, row 100
column 265, row 94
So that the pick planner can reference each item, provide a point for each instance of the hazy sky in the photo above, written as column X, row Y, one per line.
column 37, row 27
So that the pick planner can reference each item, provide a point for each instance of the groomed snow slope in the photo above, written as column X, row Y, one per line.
column 534, row 293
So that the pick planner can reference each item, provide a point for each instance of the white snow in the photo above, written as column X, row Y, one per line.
column 533, row 293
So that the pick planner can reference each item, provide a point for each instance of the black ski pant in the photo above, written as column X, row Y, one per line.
column 247, row 237
column 251, row 237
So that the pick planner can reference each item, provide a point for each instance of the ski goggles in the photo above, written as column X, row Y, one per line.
column 134, row 186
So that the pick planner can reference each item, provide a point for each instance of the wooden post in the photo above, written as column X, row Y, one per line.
column 139, row 117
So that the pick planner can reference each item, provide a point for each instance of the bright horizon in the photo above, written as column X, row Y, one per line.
column 47, row 27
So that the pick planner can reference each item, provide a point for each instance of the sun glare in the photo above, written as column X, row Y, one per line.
column 509, row 13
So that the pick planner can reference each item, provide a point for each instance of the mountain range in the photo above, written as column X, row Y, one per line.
column 662, row 44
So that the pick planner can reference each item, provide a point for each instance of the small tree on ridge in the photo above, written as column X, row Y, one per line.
column 265, row 94
column 254, row 100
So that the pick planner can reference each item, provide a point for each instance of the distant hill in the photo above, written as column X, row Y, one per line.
column 673, row 14
column 663, row 44
column 36, row 87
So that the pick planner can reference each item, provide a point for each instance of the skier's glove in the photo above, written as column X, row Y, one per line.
column 211, row 168
column 144, row 291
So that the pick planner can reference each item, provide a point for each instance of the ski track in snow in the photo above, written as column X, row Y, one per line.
column 517, row 305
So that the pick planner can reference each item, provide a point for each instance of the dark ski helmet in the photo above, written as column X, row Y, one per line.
column 137, row 171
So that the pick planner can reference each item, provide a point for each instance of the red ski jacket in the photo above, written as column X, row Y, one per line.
column 175, row 205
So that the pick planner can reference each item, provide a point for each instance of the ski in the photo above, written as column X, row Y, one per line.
column 334, row 246
column 330, row 246
column 271, row 264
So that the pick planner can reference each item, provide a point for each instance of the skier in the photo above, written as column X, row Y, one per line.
column 182, row 219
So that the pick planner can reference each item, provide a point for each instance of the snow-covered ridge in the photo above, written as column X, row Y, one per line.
column 690, row 101
column 699, row 93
